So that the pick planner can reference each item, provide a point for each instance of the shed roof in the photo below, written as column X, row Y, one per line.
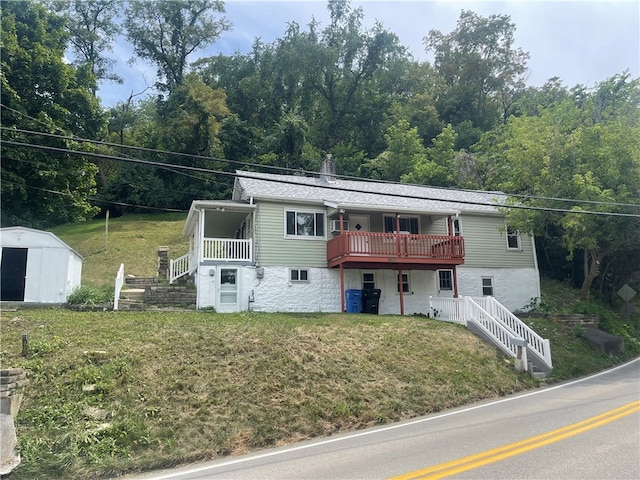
column 366, row 195
column 30, row 237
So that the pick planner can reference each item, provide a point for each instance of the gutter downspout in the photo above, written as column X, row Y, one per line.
column 455, row 281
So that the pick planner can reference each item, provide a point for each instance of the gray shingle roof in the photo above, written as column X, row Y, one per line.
column 366, row 195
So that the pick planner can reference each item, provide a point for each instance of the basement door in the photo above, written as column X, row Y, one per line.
column 13, row 274
column 228, row 290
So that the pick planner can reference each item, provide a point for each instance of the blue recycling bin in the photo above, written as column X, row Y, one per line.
column 353, row 301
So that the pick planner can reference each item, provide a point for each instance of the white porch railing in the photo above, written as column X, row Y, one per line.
column 214, row 249
column 179, row 267
column 447, row 309
column 227, row 249
column 119, row 283
column 494, row 320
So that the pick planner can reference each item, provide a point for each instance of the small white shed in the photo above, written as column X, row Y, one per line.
column 37, row 266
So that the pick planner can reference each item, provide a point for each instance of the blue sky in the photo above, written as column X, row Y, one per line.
column 582, row 42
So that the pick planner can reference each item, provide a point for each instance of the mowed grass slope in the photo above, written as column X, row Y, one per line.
column 132, row 239
column 177, row 387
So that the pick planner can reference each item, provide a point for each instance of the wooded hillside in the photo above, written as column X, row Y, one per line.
column 569, row 156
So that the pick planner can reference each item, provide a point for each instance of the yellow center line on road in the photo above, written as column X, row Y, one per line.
column 490, row 456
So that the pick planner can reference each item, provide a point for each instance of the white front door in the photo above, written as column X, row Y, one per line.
column 228, row 290
column 359, row 223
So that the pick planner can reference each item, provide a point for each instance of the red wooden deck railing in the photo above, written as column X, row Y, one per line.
column 427, row 248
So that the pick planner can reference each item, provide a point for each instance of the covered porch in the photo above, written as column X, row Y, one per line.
column 219, row 232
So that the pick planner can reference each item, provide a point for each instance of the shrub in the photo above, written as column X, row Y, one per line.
column 91, row 295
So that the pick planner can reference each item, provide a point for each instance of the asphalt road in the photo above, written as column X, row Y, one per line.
column 583, row 429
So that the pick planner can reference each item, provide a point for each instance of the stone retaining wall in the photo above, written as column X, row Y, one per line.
column 575, row 319
column 170, row 295
column 140, row 280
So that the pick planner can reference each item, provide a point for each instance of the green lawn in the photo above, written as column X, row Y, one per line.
column 113, row 392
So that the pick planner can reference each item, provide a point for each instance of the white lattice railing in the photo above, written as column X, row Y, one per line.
column 119, row 283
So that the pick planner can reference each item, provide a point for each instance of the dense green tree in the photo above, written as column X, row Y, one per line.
column 40, row 92
column 186, row 126
column 481, row 70
column 436, row 167
column 404, row 151
column 166, row 33
column 93, row 28
column 323, row 86
column 340, row 62
column 585, row 148
column 533, row 98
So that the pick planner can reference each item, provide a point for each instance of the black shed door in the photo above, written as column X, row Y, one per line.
column 13, row 272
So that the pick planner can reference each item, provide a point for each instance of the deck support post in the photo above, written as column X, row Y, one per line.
column 401, row 287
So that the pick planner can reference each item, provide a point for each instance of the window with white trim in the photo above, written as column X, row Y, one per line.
column 445, row 279
column 514, row 242
column 404, row 282
column 298, row 275
column 368, row 280
column 487, row 286
column 407, row 224
column 304, row 224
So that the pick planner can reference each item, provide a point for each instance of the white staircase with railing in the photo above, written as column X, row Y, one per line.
column 490, row 319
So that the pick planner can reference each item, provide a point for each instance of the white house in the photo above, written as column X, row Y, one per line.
column 37, row 266
column 300, row 244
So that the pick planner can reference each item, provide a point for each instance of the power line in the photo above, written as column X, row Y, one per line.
column 332, row 187
column 306, row 172
column 94, row 199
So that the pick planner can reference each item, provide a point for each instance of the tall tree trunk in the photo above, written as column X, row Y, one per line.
column 591, row 266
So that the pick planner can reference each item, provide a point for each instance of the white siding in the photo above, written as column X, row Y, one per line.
column 53, row 268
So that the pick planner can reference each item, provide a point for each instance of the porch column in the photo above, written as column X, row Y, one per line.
column 342, row 305
column 341, row 220
column 450, row 243
column 398, row 237
column 201, row 214
column 455, row 282
column 400, row 284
